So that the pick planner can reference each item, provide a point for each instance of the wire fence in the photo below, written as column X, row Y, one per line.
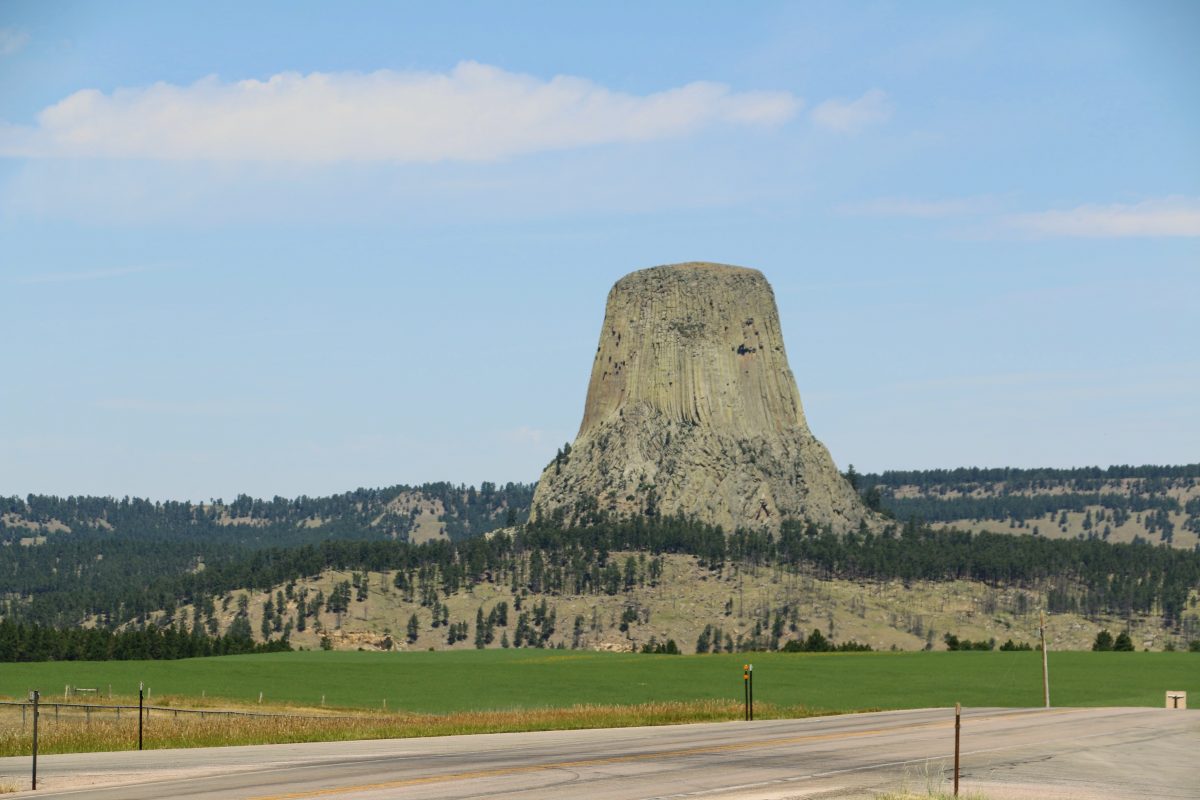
column 85, row 712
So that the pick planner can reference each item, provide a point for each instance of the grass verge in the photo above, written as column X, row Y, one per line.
column 932, row 784
column 163, row 730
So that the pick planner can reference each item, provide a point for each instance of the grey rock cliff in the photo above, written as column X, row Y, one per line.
column 692, row 409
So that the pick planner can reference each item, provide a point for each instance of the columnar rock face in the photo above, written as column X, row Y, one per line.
column 692, row 409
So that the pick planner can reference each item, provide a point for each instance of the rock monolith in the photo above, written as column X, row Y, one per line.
column 693, row 410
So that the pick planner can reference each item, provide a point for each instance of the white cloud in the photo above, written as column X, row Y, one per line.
column 852, row 116
column 1171, row 216
column 525, row 435
column 474, row 112
column 1168, row 216
column 12, row 41
column 921, row 209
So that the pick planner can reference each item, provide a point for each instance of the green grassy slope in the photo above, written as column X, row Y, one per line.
column 505, row 679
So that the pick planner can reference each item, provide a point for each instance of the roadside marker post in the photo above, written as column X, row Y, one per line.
column 1045, row 664
column 34, row 697
column 746, row 690
column 752, row 693
column 957, row 730
column 141, row 688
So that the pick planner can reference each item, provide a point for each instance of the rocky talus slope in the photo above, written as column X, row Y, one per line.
column 692, row 409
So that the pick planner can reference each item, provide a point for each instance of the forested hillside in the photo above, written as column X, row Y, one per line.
column 1116, row 504
column 280, row 592
column 393, row 512
column 266, row 569
column 65, row 559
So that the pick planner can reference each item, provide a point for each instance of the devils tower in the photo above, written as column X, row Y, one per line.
column 692, row 409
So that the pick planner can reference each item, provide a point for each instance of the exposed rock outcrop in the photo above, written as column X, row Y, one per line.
column 692, row 410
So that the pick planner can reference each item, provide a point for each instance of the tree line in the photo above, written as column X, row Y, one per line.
column 1023, row 479
column 361, row 513
column 32, row 642
column 1023, row 508
column 1023, row 496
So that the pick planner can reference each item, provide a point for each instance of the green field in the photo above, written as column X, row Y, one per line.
column 520, row 679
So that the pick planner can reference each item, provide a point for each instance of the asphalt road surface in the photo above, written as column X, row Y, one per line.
column 1027, row 753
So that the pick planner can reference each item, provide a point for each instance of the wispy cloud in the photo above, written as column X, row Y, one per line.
column 919, row 208
column 473, row 112
column 12, row 41
column 86, row 275
column 853, row 116
column 1170, row 216
column 525, row 435
column 1157, row 217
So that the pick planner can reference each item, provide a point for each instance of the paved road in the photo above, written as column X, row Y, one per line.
column 1067, row 753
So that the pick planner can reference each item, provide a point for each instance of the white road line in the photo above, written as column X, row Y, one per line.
column 864, row 768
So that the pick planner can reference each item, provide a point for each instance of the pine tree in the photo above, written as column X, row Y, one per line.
column 704, row 642
column 480, row 630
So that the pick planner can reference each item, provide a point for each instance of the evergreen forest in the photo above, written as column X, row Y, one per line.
column 105, row 576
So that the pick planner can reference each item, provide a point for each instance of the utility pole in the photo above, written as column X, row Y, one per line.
column 1045, row 664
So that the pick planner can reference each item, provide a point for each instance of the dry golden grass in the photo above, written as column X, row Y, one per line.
column 933, row 782
column 164, row 730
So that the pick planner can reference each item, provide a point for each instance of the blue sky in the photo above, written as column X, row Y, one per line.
column 286, row 248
